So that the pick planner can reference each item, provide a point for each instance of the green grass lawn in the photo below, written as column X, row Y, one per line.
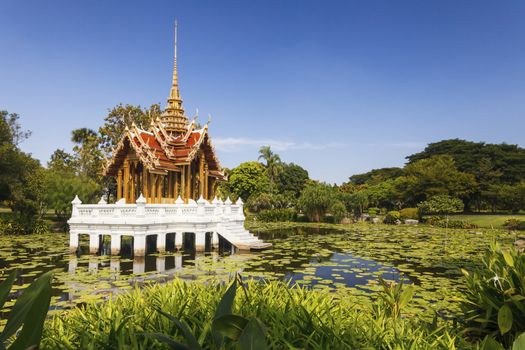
column 487, row 220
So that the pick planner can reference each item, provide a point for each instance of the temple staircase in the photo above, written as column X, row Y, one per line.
column 235, row 233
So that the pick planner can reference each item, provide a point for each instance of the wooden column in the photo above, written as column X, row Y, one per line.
column 189, row 182
column 201, row 175
column 159, row 188
column 126, row 181
column 176, row 185
column 119, row 184
column 183, row 183
column 145, row 182
column 206, row 192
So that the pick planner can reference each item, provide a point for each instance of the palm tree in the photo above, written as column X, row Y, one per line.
column 273, row 164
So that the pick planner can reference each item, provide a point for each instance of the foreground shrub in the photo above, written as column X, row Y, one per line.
column 494, row 302
column 291, row 317
column 273, row 215
column 391, row 217
column 514, row 224
column 409, row 214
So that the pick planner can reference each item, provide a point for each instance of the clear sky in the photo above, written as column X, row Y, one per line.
column 339, row 87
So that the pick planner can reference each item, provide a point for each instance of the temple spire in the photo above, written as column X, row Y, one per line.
column 173, row 118
column 174, row 93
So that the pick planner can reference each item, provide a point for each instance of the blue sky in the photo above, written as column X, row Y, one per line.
column 339, row 87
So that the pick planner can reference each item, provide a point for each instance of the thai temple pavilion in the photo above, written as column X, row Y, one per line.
column 169, row 159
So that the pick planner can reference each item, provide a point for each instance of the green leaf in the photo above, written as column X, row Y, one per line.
column 168, row 341
column 230, row 326
column 190, row 338
column 6, row 286
column 30, row 310
column 252, row 337
column 225, row 305
column 406, row 296
column 490, row 343
column 519, row 343
column 508, row 258
column 505, row 319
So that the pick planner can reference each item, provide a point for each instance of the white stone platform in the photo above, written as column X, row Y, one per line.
column 201, row 219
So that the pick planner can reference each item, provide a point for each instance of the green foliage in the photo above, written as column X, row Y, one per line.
column 409, row 213
column 61, row 188
column 439, row 221
column 441, row 205
column 247, row 179
column 293, row 317
column 274, row 215
column 514, row 224
column 263, row 201
column 394, row 298
column 227, row 329
column 494, row 301
column 374, row 211
column 121, row 116
column 273, row 165
column 338, row 211
column 25, row 323
column 392, row 217
column 316, row 199
column 507, row 160
column 376, row 176
column 292, row 179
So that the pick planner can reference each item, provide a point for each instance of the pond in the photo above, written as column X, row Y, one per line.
column 347, row 260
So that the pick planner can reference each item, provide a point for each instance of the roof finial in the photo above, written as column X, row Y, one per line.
column 175, row 82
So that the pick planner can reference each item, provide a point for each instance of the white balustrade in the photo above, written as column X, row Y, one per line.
column 142, row 219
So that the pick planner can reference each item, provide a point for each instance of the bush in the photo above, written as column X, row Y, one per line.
column 338, row 211
column 493, row 303
column 514, row 224
column 273, row 215
column 391, row 217
column 409, row 214
column 441, row 222
column 373, row 211
column 10, row 227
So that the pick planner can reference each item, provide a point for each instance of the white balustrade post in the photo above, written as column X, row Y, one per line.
column 178, row 261
column 240, row 204
column 178, row 240
column 201, row 209
column 141, row 206
column 115, row 244
column 216, row 203
column 76, row 202
column 228, row 206
column 179, row 202
column 72, row 266
column 139, row 244
column 73, row 242
column 161, row 242
column 200, row 241
column 94, row 242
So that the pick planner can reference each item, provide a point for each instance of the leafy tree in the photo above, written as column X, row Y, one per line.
column 121, row 116
column 62, row 187
column 292, row 178
column 247, row 179
column 376, row 176
column 316, row 199
column 88, row 154
column 441, row 205
column 357, row 202
column 510, row 197
column 21, row 176
column 507, row 159
column 62, row 162
column 434, row 176
column 273, row 165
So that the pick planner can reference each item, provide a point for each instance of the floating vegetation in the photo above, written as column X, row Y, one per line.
column 348, row 260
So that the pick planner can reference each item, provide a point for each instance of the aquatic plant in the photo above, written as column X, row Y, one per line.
column 291, row 317
column 23, row 329
column 494, row 302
